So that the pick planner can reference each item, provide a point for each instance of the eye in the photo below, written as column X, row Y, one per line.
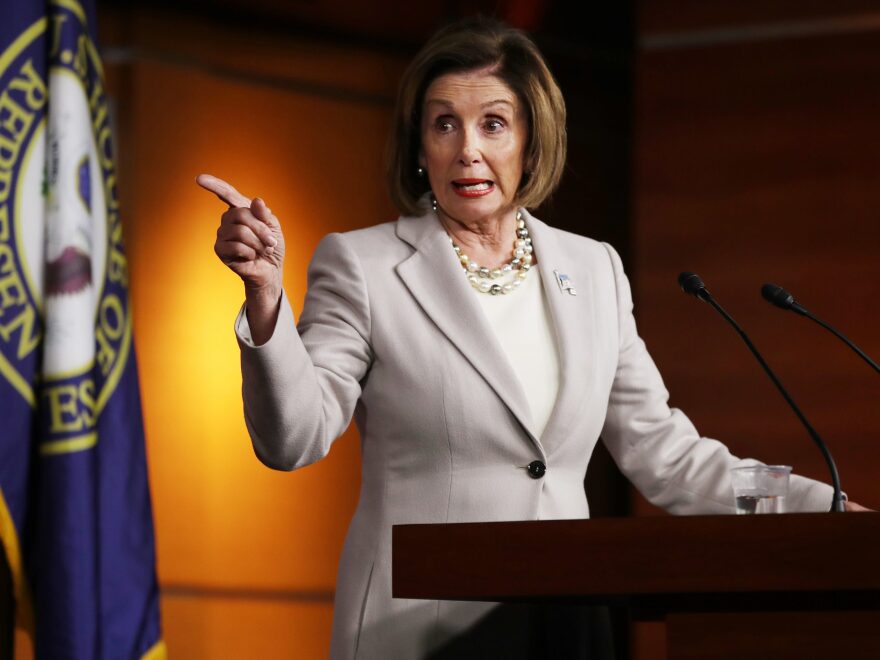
column 493, row 125
column 443, row 124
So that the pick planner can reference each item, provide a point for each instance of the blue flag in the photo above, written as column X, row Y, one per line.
column 75, row 512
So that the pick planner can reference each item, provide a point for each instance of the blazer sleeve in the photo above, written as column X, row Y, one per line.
column 300, row 388
column 658, row 448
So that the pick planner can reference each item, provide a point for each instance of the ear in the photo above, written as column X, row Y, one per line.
column 422, row 162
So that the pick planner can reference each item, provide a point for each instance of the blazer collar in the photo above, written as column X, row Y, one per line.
column 434, row 277
column 571, row 323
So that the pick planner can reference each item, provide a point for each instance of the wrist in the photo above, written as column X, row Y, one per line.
column 263, row 298
column 262, row 306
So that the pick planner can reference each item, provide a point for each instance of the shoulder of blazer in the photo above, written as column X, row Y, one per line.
column 415, row 229
column 375, row 246
column 370, row 237
column 587, row 253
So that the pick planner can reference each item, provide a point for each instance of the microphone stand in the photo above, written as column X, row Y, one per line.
column 781, row 298
column 691, row 283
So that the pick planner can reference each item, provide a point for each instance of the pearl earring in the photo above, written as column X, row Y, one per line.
column 420, row 172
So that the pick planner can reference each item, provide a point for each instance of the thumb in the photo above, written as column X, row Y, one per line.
column 262, row 212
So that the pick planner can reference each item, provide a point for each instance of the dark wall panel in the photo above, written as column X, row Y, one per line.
column 757, row 160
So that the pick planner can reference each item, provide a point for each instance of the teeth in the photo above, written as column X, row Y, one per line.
column 475, row 186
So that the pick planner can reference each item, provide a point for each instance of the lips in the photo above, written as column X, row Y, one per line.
column 473, row 187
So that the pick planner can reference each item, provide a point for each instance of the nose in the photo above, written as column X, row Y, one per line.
column 469, row 150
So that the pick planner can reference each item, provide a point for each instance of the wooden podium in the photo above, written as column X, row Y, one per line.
column 766, row 586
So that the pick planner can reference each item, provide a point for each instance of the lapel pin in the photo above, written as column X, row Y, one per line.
column 565, row 283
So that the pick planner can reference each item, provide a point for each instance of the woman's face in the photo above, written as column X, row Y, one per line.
column 473, row 137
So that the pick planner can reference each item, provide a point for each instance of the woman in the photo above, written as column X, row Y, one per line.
column 479, row 375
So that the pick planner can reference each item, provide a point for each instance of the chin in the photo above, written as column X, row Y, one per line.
column 472, row 209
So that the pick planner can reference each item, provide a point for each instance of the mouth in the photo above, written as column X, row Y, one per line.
column 473, row 187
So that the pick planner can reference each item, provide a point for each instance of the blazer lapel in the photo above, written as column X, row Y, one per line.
column 434, row 277
column 572, row 325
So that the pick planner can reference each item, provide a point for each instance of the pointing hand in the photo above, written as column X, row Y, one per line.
column 249, row 239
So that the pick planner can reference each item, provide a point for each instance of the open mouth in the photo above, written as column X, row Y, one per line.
column 473, row 187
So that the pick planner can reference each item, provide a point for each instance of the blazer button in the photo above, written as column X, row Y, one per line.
column 536, row 469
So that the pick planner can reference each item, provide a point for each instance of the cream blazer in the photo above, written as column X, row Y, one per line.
column 392, row 334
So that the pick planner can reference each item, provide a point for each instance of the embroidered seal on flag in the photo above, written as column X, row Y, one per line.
column 23, row 97
column 63, row 274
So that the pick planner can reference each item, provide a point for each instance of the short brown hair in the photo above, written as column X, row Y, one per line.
column 466, row 46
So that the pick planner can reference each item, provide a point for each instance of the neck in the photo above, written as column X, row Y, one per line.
column 488, row 241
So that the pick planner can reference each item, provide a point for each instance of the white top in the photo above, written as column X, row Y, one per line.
column 521, row 321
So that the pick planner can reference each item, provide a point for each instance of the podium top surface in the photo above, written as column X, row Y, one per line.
column 809, row 555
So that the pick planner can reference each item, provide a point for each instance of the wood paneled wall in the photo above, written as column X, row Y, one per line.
column 246, row 556
column 752, row 139
column 756, row 160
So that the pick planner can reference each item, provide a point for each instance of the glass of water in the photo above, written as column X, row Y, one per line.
column 760, row 488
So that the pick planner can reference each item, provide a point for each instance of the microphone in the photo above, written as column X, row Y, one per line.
column 693, row 285
column 778, row 296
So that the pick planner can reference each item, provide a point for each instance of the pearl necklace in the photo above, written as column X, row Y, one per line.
column 481, row 278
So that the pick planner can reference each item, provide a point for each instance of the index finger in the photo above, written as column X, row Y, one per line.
column 225, row 191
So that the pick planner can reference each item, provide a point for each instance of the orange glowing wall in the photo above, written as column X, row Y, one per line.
column 246, row 556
